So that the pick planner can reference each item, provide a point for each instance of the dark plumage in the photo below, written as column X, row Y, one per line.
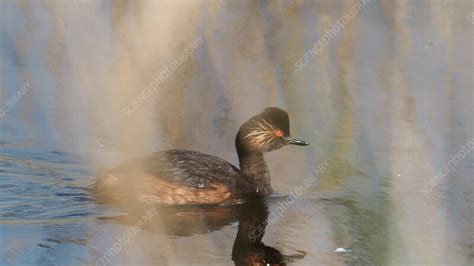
column 190, row 177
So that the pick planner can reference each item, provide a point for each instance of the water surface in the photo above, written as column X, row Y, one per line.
column 385, row 104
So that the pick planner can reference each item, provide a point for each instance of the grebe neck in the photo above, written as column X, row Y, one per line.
column 254, row 168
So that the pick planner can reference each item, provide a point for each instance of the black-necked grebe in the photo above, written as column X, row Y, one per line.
column 189, row 177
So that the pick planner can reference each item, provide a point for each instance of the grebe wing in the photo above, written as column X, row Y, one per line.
column 183, row 167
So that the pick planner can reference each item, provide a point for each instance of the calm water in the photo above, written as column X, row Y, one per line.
column 385, row 104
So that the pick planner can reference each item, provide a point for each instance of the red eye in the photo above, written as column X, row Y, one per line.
column 279, row 133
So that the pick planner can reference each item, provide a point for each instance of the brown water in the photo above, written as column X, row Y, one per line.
column 385, row 104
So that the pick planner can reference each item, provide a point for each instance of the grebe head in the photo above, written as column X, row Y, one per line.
column 267, row 131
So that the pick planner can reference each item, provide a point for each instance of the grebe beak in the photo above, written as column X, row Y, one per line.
column 294, row 141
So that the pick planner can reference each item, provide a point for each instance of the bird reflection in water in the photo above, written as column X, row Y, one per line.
column 248, row 248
